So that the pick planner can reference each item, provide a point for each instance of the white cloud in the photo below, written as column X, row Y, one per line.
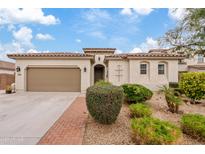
column 22, row 41
column 94, row 15
column 78, row 40
column 44, row 37
column 176, row 14
column 32, row 51
column 26, row 15
column 98, row 34
column 150, row 43
column 23, row 36
column 136, row 11
column 143, row 11
column 9, row 48
column 37, row 51
column 126, row 11
column 118, row 51
column 136, row 50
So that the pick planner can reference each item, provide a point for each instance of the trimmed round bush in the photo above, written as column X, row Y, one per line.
column 104, row 102
column 136, row 93
column 194, row 125
column 140, row 110
column 149, row 130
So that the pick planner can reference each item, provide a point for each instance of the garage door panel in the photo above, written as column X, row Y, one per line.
column 53, row 79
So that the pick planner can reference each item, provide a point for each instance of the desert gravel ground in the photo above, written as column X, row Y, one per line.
column 119, row 133
column 160, row 110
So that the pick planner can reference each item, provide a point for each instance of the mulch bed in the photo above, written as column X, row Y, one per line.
column 120, row 132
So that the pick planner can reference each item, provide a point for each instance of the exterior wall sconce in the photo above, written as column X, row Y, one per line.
column 98, row 58
column 85, row 69
column 18, row 69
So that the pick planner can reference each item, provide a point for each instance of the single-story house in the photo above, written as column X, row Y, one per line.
column 65, row 71
column 7, row 71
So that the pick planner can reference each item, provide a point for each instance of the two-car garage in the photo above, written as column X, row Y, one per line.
column 52, row 71
column 48, row 79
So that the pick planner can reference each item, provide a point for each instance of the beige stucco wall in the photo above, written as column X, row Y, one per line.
column 131, row 72
column 85, row 76
column 99, row 59
column 113, row 73
column 182, row 67
column 6, row 71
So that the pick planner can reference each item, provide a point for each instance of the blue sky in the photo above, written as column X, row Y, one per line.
column 46, row 30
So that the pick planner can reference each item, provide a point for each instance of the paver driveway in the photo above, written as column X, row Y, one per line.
column 26, row 116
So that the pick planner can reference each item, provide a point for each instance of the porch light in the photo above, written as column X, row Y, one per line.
column 18, row 69
column 85, row 69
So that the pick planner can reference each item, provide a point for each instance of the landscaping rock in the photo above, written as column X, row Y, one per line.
column 117, row 133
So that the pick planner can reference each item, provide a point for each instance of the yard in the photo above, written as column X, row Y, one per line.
column 120, row 132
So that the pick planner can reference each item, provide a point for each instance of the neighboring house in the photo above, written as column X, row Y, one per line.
column 192, row 64
column 77, row 71
column 7, row 71
column 195, row 64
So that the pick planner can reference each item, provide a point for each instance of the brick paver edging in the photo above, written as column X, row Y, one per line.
column 70, row 127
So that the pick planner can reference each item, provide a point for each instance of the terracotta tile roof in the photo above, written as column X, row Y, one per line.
column 7, row 66
column 149, row 55
column 99, row 50
column 155, row 55
column 121, row 56
column 202, row 67
column 49, row 54
column 158, row 50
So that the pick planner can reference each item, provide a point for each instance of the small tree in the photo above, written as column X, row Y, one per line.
column 173, row 101
column 193, row 85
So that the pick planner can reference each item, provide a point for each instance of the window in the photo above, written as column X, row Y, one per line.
column 200, row 58
column 143, row 68
column 160, row 68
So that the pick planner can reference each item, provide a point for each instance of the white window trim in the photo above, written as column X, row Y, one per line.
column 161, row 70
column 144, row 69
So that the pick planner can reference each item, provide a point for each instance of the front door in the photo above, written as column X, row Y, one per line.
column 99, row 73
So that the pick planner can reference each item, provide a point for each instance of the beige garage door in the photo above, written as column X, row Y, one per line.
column 53, row 79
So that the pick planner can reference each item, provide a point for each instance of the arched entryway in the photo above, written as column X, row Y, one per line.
column 99, row 72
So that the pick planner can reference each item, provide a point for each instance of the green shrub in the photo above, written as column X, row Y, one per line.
column 173, row 101
column 140, row 110
column 193, row 85
column 102, row 83
column 136, row 93
column 194, row 125
column 173, row 84
column 149, row 130
column 104, row 102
